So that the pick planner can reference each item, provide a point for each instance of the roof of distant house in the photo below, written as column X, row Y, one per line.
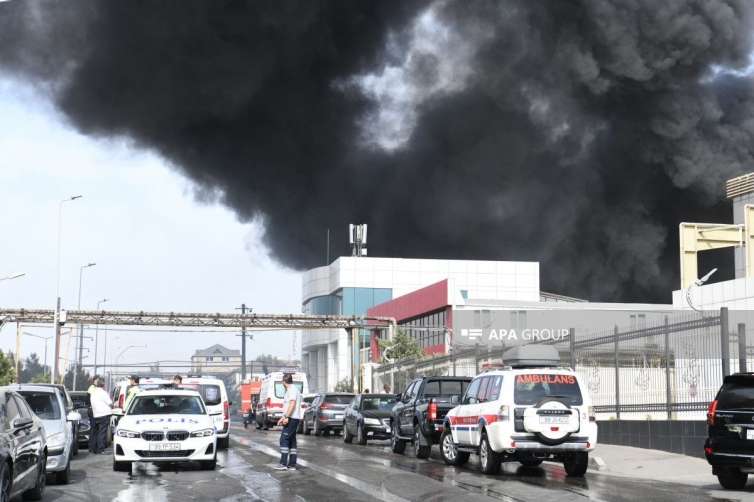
column 216, row 350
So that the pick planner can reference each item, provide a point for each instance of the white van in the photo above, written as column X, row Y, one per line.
column 215, row 397
column 270, row 407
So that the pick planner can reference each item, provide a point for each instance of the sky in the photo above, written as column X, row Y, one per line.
column 155, row 245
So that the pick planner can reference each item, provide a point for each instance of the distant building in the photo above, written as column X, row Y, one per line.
column 216, row 359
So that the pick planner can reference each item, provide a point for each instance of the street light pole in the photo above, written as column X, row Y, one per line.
column 56, row 320
column 96, row 335
column 80, row 339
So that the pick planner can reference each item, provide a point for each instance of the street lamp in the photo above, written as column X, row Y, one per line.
column 81, row 326
column 11, row 277
column 96, row 335
column 54, row 372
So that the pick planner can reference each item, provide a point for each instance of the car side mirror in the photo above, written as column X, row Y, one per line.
column 73, row 416
column 118, row 412
column 21, row 423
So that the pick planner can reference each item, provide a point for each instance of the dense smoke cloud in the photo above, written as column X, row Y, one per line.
column 577, row 133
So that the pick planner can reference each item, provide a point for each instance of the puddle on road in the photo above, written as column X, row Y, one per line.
column 144, row 484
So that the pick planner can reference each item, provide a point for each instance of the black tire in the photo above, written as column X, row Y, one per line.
column 397, row 444
column 38, row 491
column 422, row 449
column 347, row 436
column 64, row 476
column 449, row 451
column 75, row 450
column 5, row 483
column 208, row 465
column 731, row 478
column 122, row 466
column 300, row 427
column 316, row 430
column 223, row 443
column 307, row 431
column 361, row 436
column 575, row 464
column 489, row 461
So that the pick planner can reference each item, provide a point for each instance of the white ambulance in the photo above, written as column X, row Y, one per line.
column 270, row 407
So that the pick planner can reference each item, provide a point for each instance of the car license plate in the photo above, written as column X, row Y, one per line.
column 749, row 433
column 553, row 420
column 339, row 417
column 165, row 447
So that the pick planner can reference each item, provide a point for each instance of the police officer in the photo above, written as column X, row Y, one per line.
column 289, row 421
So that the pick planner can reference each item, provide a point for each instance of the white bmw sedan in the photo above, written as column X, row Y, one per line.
column 166, row 425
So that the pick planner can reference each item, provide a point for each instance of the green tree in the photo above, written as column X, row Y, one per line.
column 344, row 385
column 7, row 370
column 83, row 379
column 32, row 369
column 402, row 346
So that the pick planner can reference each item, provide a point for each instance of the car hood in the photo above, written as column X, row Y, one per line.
column 375, row 414
column 139, row 423
column 53, row 426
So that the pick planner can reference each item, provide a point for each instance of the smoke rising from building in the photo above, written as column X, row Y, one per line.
column 577, row 133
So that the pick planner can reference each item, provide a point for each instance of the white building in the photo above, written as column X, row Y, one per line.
column 352, row 285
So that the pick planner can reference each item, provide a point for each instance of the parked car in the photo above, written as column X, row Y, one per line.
column 325, row 415
column 530, row 412
column 23, row 449
column 306, row 401
column 165, row 425
column 82, row 404
column 120, row 393
column 218, row 405
column 368, row 417
column 270, row 407
column 418, row 417
column 69, row 407
column 729, row 447
column 48, row 404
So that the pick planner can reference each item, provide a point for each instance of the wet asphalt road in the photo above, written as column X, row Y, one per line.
column 332, row 470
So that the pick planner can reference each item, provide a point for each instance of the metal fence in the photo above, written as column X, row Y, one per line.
column 671, row 368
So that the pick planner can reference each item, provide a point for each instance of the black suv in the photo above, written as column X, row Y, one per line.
column 730, row 443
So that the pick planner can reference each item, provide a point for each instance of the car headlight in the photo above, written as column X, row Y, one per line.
column 203, row 433
column 127, row 434
column 372, row 421
column 56, row 440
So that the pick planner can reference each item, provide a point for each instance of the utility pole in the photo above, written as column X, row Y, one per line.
column 243, row 310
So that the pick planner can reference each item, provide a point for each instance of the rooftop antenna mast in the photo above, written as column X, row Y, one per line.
column 358, row 239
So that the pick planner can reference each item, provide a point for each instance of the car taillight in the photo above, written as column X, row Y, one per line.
column 711, row 412
column 325, row 406
column 226, row 411
column 432, row 410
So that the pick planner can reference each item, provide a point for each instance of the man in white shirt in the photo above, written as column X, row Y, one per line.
column 101, row 411
column 289, row 421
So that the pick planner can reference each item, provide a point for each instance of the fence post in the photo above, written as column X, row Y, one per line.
column 668, row 397
column 572, row 344
column 724, row 341
column 741, row 347
column 617, row 376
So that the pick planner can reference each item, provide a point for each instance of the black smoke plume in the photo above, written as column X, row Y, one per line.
column 578, row 133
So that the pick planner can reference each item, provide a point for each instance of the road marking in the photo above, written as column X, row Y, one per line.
column 362, row 486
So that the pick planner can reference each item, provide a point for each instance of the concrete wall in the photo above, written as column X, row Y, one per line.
column 676, row 436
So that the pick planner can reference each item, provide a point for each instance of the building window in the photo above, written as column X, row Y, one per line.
column 210, row 358
column 225, row 359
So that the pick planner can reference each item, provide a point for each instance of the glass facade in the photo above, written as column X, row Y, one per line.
column 428, row 330
column 348, row 301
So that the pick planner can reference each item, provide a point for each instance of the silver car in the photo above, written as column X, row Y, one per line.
column 48, row 404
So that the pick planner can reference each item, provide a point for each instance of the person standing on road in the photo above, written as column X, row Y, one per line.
column 101, row 411
column 289, row 421
column 90, row 390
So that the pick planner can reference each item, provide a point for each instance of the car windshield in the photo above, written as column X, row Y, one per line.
column 445, row 388
column 346, row 399
column 43, row 404
column 166, row 405
column 378, row 403
column 80, row 401
column 736, row 395
column 210, row 392
column 534, row 387
column 280, row 389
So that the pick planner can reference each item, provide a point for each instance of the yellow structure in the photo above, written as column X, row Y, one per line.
column 696, row 237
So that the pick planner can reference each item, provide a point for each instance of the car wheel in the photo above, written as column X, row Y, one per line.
column 731, row 478
column 121, row 466
column 397, row 444
column 422, row 449
column 347, row 436
column 317, row 431
column 307, row 431
column 449, row 451
column 575, row 464
column 64, row 476
column 300, row 427
column 361, row 436
column 489, row 461
column 38, row 491
column 223, row 443
column 75, row 450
